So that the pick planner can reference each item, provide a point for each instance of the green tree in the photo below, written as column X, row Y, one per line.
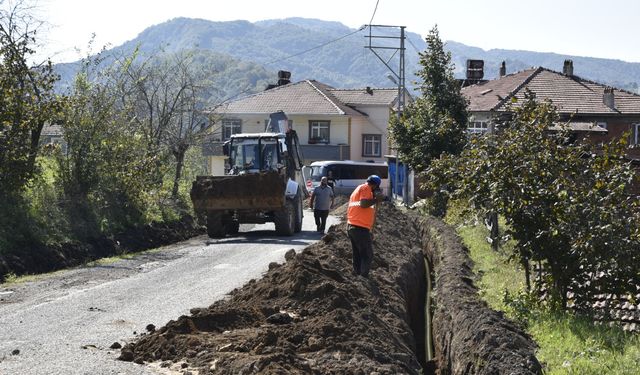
column 27, row 100
column 435, row 123
column 600, row 220
column 105, row 169
column 567, row 205
column 168, row 94
column 27, row 103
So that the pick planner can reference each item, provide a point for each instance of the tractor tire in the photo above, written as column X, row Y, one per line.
column 215, row 227
column 231, row 226
column 285, row 219
column 297, row 202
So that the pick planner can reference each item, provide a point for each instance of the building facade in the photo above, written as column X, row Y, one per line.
column 332, row 124
column 593, row 111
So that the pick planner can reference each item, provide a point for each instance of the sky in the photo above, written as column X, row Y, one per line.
column 594, row 28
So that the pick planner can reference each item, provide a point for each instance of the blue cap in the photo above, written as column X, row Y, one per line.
column 374, row 179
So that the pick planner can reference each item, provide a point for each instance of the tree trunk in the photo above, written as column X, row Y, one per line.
column 559, row 284
column 179, row 155
column 491, row 222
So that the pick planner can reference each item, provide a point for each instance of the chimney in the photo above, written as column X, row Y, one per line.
column 608, row 98
column 567, row 69
column 475, row 70
column 503, row 69
column 284, row 77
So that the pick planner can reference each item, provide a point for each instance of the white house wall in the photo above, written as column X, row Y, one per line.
column 216, row 165
column 376, row 123
column 357, row 126
column 338, row 133
column 338, row 128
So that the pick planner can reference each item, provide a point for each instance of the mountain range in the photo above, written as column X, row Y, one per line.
column 335, row 54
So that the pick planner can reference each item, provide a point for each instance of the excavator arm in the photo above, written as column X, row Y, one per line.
column 294, row 159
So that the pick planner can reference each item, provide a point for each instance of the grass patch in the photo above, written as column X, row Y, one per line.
column 12, row 279
column 574, row 345
column 110, row 260
column 498, row 274
column 568, row 344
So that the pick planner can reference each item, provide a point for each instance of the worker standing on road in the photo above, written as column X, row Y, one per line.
column 361, row 216
column 331, row 181
column 321, row 201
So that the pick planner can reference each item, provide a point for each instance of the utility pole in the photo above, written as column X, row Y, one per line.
column 397, row 77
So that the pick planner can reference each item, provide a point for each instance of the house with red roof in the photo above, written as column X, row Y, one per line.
column 592, row 110
column 332, row 124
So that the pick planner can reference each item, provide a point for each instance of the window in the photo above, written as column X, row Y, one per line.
column 477, row 127
column 318, row 131
column 371, row 145
column 230, row 127
column 269, row 154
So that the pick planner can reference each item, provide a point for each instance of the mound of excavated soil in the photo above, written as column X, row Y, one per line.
column 310, row 314
column 47, row 258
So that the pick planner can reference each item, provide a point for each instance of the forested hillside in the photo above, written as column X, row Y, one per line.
column 336, row 54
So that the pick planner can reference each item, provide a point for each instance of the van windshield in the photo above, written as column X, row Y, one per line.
column 317, row 173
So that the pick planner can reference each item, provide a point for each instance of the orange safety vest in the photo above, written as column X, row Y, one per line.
column 361, row 216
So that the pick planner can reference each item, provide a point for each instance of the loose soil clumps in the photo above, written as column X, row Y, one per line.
column 309, row 315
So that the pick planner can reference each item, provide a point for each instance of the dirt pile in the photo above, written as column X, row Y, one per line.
column 310, row 314
column 47, row 258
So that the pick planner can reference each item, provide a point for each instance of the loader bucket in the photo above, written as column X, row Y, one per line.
column 259, row 191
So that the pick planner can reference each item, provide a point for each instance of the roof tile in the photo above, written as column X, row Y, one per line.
column 368, row 96
column 304, row 97
column 569, row 94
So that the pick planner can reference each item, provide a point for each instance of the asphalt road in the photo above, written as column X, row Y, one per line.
column 65, row 322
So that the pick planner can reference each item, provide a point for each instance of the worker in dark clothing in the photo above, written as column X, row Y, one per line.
column 331, row 181
column 361, row 216
column 322, row 199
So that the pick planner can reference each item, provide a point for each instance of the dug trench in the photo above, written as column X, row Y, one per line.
column 312, row 315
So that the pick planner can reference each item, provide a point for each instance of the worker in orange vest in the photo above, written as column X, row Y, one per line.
column 361, row 216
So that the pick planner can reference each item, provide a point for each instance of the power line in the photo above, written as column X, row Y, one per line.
column 329, row 42
column 374, row 12
column 413, row 45
column 316, row 47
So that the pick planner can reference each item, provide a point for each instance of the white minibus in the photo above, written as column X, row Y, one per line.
column 346, row 174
